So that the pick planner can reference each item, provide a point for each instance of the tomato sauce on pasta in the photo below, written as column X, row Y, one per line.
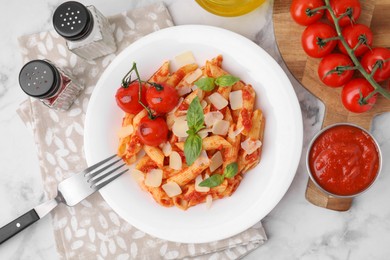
column 231, row 137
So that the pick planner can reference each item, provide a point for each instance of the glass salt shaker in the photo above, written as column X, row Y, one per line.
column 86, row 31
column 41, row 79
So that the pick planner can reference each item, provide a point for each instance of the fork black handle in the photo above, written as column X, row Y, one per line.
column 17, row 225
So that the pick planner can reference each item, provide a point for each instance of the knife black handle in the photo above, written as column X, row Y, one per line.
column 18, row 225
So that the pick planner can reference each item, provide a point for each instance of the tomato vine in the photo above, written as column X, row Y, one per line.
column 358, row 66
column 354, row 40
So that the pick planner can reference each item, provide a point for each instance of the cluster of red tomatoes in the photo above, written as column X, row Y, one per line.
column 158, row 99
column 336, row 69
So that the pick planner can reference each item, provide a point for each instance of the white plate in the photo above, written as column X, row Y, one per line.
column 262, row 187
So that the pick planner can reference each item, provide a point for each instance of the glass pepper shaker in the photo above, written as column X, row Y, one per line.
column 86, row 31
column 43, row 80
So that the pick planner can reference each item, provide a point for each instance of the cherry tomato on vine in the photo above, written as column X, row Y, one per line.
column 300, row 11
column 152, row 132
column 371, row 57
column 333, row 69
column 127, row 97
column 357, row 34
column 340, row 7
column 162, row 98
column 353, row 93
column 314, row 39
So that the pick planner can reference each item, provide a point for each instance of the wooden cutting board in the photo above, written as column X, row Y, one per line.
column 375, row 14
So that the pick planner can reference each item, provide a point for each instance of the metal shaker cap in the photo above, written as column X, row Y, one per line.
column 73, row 21
column 39, row 79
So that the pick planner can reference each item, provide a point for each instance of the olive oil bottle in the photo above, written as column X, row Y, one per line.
column 229, row 7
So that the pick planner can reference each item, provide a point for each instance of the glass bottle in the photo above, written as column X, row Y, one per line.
column 86, row 31
column 43, row 80
column 230, row 8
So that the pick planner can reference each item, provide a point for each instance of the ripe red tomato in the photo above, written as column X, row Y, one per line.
column 340, row 7
column 300, row 11
column 353, row 34
column 153, row 132
column 353, row 92
column 127, row 97
column 162, row 98
column 369, row 59
column 314, row 39
column 335, row 62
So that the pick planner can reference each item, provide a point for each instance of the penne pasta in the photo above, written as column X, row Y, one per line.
column 161, row 75
column 178, row 75
column 230, row 154
column 217, row 61
column 245, row 115
column 215, row 142
column 257, row 125
column 155, row 154
column 180, row 145
column 188, row 174
column 160, row 196
column 228, row 116
column 230, row 134
column 137, row 118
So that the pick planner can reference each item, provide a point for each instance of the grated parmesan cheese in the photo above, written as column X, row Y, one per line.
column 193, row 76
column 154, row 178
column 202, row 159
column 184, row 59
column 218, row 100
column 180, row 128
column 235, row 98
column 216, row 161
column 125, row 131
column 250, row 146
column 171, row 188
column 175, row 161
column 235, row 133
column 137, row 175
column 166, row 148
column 211, row 117
column 221, row 127
column 184, row 90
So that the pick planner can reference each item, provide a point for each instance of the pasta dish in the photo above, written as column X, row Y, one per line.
column 192, row 133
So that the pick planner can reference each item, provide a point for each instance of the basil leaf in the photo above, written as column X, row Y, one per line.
column 191, row 131
column 212, row 181
column 195, row 116
column 226, row 80
column 192, row 148
column 231, row 170
column 206, row 84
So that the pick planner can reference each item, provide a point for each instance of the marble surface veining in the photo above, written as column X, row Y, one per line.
column 296, row 229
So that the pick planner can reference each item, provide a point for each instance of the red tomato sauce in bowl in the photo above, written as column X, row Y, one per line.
column 344, row 160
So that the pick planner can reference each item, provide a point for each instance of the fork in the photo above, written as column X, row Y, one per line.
column 70, row 192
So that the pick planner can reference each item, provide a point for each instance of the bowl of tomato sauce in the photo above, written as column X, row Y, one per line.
column 343, row 160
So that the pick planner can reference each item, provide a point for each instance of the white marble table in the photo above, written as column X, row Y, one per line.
column 296, row 229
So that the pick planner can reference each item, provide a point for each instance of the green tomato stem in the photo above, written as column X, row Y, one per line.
column 323, row 41
column 362, row 40
column 366, row 99
column 339, row 70
column 126, row 80
column 348, row 12
column 150, row 114
column 378, row 64
column 311, row 12
column 367, row 76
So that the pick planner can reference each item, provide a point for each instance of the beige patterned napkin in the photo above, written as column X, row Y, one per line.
column 91, row 229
